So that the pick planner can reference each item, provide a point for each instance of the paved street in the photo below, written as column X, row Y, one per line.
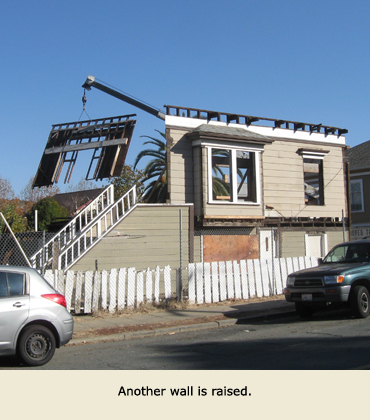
column 332, row 340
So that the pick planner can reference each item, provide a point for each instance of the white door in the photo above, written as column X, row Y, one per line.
column 268, row 244
column 316, row 245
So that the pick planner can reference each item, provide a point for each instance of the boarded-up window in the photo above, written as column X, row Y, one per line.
column 230, row 247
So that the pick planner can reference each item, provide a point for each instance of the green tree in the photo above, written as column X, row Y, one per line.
column 219, row 186
column 13, row 214
column 48, row 211
column 11, row 208
column 155, row 170
column 128, row 178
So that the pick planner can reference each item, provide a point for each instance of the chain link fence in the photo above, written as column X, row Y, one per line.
column 15, row 250
column 156, row 248
column 148, row 248
column 128, row 268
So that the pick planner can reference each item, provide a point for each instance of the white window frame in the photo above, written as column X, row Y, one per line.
column 234, row 194
column 358, row 181
column 307, row 154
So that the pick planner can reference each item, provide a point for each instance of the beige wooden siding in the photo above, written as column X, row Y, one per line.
column 181, row 174
column 284, row 186
column 281, row 178
column 292, row 244
column 197, row 161
column 335, row 238
column 147, row 237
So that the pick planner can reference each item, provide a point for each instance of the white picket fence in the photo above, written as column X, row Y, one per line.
column 220, row 281
column 91, row 291
column 118, row 289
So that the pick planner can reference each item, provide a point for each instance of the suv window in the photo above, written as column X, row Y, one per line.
column 12, row 284
column 349, row 253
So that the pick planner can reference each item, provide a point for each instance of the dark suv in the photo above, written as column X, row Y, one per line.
column 342, row 277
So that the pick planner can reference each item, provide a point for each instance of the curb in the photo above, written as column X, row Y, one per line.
column 152, row 333
column 173, row 329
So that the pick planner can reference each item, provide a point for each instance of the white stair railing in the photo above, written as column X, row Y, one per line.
column 44, row 257
column 96, row 229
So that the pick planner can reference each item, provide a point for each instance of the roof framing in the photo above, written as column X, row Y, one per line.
column 249, row 120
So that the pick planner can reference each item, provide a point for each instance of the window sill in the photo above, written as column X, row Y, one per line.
column 249, row 203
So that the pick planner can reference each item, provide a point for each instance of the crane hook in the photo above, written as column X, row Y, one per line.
column 84, row 100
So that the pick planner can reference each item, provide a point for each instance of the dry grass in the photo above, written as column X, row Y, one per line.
column 144, row 308
column 173, row 305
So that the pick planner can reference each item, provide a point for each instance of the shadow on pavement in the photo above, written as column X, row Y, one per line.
column 9, row 361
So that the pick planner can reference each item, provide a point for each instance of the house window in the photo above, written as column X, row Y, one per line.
column 357, row 197
column 313, row 181
column 234, row 175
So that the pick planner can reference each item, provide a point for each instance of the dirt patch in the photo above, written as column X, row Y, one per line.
column 138, row 327
column 172, row 306
column 119, row 329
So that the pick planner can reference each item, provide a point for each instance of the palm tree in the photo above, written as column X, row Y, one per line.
column 220, row 188
column 155, row 170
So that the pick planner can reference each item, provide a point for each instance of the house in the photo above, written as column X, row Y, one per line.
column 239, row 187
column 283, row 181
column 359, row 163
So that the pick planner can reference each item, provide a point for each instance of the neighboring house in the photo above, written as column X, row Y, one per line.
column 239, row 187
column 75, row 201
column 359, row 163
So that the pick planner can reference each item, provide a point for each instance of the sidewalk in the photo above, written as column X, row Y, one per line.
column 107, row 327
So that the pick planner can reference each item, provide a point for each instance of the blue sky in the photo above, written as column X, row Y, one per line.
column 297, row 60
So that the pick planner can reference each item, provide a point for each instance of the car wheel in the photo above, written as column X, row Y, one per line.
column 36, row 345
column 360, row 302
column 304, row 311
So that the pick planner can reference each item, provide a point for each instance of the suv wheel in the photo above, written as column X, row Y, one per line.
column 360, row 302
column 36, row 345
column 304, row 311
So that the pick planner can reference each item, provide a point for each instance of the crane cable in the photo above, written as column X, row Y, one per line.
column 84, row 100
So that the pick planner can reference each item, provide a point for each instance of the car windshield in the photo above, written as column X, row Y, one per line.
column 349, row 253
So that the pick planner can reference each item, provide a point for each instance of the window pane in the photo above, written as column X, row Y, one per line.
column 3, row 285
column 221, row 175
column 245, row 176
column 313, row 182
column 356, row 196
column 337, row 254
column 16, row 284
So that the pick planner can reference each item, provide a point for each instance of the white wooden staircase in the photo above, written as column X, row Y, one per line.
column 84, row 231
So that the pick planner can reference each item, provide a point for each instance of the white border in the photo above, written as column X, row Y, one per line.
column 233, row 150
column 283, row 133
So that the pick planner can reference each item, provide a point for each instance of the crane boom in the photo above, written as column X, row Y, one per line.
column 90, row 81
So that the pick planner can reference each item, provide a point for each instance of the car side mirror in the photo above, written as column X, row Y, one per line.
column 319, row 260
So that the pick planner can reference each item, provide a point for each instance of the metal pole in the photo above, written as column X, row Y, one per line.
column 179, row 286
column 272, row 261
column 15, row 239
column 43, row 253
column 344, row 227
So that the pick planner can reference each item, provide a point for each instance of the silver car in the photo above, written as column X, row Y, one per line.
column 34, row 320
